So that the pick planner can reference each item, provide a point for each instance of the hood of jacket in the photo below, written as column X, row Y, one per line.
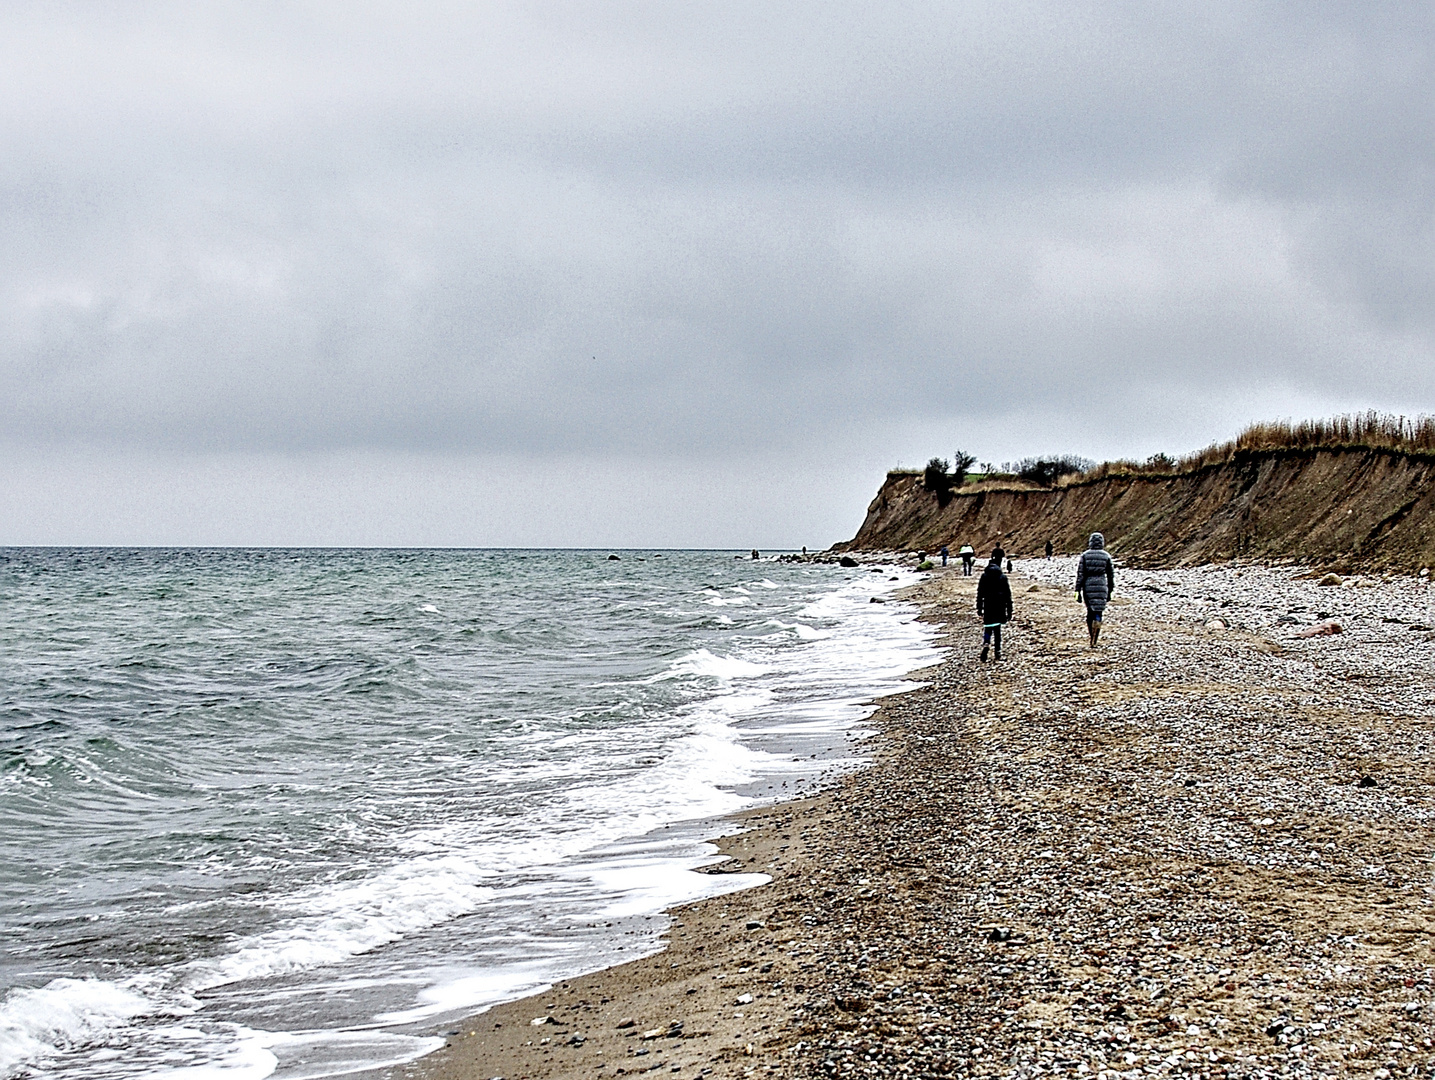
column 1097, row 542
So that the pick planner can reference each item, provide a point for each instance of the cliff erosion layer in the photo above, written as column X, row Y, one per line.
column 1346, row 507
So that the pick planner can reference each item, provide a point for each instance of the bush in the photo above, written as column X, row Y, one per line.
column 942, row 477
column 961, row 462
column 1045, row 472
column 935, row 477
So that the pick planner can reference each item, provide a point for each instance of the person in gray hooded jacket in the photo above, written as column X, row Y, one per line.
column 1095, row 582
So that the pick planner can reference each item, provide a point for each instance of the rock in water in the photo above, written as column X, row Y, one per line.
column 847, row 560
column 1332, row 579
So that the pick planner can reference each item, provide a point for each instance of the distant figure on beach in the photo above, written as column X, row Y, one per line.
column 1048, row 549
column 993, row 604
column 968, row 557
column 1008, row 566
column 1095, row 582
column 944, row 554
column 755, row 555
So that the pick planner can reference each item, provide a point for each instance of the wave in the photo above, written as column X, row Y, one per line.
column 37, row 1023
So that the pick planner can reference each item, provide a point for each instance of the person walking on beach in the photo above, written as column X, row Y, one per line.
column 1095, row 582
column 993, row 604
column 968, row 557
column 1048, row 549
column 944, row 554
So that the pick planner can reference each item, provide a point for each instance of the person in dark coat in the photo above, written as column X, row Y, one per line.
column 993, row 604
column 1095, row 582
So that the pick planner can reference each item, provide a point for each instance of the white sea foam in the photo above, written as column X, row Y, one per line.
column 346, row 920
column 36, row 1023
column 706, row 664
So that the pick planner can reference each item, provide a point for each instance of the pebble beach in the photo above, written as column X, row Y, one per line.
column 1202, row 849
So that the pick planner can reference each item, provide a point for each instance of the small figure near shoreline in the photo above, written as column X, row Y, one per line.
column 968, row 557
column 993, row 604
column 1095, row 582
column 944, row 554
column 1048, row 549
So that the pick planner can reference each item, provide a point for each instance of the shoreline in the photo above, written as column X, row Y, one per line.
column 1154, row 857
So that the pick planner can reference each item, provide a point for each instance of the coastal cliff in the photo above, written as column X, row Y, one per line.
column 1338, row 508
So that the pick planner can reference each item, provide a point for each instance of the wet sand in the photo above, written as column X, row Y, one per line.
column 1200, row 849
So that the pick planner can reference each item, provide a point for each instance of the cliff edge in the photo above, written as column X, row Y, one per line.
column 1342, row 508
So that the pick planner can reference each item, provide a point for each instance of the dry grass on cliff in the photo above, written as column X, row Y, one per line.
column 1366, row 431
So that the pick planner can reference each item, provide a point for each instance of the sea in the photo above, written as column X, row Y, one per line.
column 296, row 813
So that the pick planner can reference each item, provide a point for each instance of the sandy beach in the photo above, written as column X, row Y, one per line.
column 1204, row 848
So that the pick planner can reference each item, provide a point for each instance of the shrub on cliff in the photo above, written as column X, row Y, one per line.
column 942, row 478
column 935, row 477
column 961, row 462
column 1045, row 472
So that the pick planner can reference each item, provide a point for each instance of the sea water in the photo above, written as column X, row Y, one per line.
column 293, row 813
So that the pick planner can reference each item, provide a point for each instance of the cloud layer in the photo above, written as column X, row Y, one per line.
column 652, row 232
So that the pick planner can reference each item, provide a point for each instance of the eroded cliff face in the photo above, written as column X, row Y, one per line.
column 1347, row 508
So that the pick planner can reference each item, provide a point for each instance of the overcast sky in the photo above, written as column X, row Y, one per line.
column 679, row 273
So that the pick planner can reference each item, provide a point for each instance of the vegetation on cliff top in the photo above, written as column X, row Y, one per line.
column 1368, row 430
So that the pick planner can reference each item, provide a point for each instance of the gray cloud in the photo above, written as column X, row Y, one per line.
column 664, row 232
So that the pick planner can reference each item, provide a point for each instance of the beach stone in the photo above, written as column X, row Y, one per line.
column 1367, row 781
column 876, row 600
column 626, row 1022
column 847, row 560
column 1331, row 579
column 1216, row 624
column 539, row 1021
column 651, row 1033
column 1033, row 588
column 756, row 924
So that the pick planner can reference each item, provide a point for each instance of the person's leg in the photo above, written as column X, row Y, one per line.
column 1096, row 630
column 997, row 642
column 986, row 641
column 1091, row 626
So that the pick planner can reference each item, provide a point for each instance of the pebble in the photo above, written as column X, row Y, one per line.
column 1139, row 859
